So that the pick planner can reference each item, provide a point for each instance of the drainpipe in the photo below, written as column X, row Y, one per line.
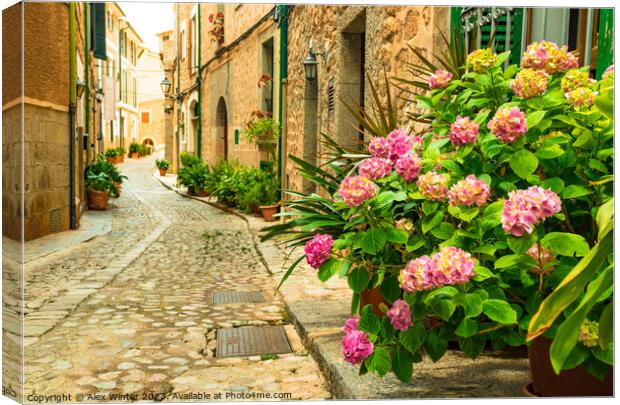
column 283, row 75
column 178, row 85
column 87, row 80
column 72, row 103
column 199, row 87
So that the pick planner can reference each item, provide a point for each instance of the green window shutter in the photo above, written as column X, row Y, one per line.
column 98, row 30
column 479, row 25
column 605, row 52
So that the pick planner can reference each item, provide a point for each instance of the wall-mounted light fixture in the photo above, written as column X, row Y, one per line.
column 311, row 63
column 166, row 86
column 80, row 86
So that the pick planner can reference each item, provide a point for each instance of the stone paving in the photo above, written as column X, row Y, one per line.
column 131, row 313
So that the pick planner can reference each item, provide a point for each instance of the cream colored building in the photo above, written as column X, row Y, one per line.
column 123, row 49
column 151, row 100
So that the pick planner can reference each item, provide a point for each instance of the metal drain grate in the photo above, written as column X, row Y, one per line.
column 230, row 297
column 55, row 220
column 251, row 341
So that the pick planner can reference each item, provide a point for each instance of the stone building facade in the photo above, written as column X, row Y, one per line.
column 151, row 100
column 51, row 203
column 347, row 41
column 227, row 69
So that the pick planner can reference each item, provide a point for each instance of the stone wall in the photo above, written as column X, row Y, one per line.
column 387, row 31
column 155, row 129
column 230, row 79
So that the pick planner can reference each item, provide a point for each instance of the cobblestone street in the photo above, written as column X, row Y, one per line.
column 132, row 312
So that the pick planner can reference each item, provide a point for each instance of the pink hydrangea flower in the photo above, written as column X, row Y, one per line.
column 408, row 166
column 574, row 79
column 548, row 56
column 608, row 73
column 530, row 82
column 318, row 250
column 581, row 97
column 542, row 256
column 469, row 191
column 354, row 190
column 375, row 168
column 351, row 324
column 588, row 333
column 414, row 277
column 481, row 60
column 400, row 315
column 440, row 79
column 433, row 186
column 399, row 143
column 526, row 208
column 378, row 147
column 463, row 131
column 508, row 124
column 356, row 347
column 418, row 143
column 451, row 265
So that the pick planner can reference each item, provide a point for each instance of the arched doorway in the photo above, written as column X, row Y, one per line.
column 221, row 130
column 193, row 109
column 148, row 142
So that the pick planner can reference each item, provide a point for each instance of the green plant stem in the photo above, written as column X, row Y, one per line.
column 491, row 329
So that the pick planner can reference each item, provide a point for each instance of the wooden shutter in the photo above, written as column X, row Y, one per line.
column 479, row 25
column 98, row 30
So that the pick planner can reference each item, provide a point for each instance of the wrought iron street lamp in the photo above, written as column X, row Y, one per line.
column 80, row 86
column 311, row 66
column 166, row 86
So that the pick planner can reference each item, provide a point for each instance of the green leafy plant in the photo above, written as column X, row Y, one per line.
column 468, row 225
column 189, row 159
column 134, row 147
column 121, row 151
column 98, row 181
column 112, row 153
column 162, row 164
column 263, row 131
column 111, row 172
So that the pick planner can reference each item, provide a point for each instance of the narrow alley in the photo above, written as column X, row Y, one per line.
column 151, row 330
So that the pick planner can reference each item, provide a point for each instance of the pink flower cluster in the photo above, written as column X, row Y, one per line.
column 354, row 190
column 355, row 344
column 318, row 250
column 469, row 191
column 581, row 97
column 542, row 256
column 481, row 60
column 548, row 56
column 375, row 168
column 378, row 147
column 433, row 185
column 574, row 79
column 440, row 79
column 400, row 315
column 508, row 124
column 450, row 265
column 408, row 166
column 399, row 143
column 530, row 82
column 526, row 208
column 608, row 73
column 463, row 131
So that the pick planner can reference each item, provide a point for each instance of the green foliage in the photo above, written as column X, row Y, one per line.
column 134, row 147
column 162, row 164
column 112, row 153
column 103, row 176
column 189, row 159
column 566, row 149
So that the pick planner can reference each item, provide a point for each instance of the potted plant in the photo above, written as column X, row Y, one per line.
column 134, row 150
column 101, row 165
column 266, row 192
column 263, row 130
column 457, row 233
column 111, row 156
column 121, row 154
column 162, row 165
column 217, row 28
column 98, row 187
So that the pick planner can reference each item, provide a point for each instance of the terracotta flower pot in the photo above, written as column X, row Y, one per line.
column 98, row 200
column 269, row 211
column 111, row 160
column 575, row 382
column 162, row 172
column 200, row 192
column 373, row 297
column 135, row 155
column 121, row 158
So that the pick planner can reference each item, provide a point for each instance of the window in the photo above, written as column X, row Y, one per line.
column 193, row 41
column 183, row 42
column 110, row 21
column 145, row 117
column 165, row 37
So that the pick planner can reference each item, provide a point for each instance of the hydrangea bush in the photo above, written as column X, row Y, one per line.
column 465, row 227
